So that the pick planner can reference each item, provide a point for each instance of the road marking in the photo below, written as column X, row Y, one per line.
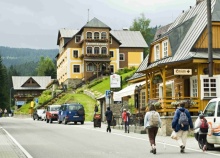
column 22, row 149
column 145, row 139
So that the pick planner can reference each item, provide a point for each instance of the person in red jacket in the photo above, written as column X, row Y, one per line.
column 125, row 117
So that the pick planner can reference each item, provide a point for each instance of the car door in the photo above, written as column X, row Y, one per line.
column 210, row 113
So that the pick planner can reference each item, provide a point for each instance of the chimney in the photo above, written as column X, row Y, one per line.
column 198, row 1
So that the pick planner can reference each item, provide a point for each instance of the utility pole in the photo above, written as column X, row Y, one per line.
column 209, row 28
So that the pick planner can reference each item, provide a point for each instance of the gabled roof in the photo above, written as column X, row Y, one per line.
column 130, row 38
column 125, row 38
column 66, row 33
column 42, row 81
column 186, row 30
column 96, row 23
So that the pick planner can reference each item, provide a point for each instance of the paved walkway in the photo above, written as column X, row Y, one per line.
column 8, row 148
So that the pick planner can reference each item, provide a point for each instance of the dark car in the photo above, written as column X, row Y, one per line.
column 52, row 113
column 72, row 112
column 38, row 113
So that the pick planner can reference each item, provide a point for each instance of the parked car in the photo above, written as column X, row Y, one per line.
column 39, row 114
column 73, row 112
column 52, row 113
column 212, row 114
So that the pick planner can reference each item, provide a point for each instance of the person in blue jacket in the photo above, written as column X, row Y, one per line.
column 180, row 128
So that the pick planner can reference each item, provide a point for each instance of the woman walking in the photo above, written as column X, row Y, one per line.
column 152, row 122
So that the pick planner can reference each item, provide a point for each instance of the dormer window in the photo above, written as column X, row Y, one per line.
column 89, row 35
column 78, row 38
column 103, row 35
column 96, row 35
column 157, row 52
column 165, row 48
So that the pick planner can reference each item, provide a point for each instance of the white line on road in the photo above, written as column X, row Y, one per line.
column 158, row 142
column 22, row 149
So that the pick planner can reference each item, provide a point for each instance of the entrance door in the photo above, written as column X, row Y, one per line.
column 187, row 88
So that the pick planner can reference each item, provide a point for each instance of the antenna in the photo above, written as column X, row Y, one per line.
column 88, row 15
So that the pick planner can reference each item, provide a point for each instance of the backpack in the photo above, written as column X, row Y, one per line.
column 204, row 126
column 183, row 119
column 154, row 119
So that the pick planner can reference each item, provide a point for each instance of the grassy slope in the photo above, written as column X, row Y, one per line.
column 105, row 84
column 85, row 100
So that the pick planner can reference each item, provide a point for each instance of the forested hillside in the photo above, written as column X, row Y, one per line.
column 24, row 56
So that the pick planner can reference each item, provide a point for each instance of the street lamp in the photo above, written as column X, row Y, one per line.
column 10, row 97
column 109, row 97
column 138, row 90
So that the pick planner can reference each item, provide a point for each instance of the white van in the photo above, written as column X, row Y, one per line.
column 212, row 114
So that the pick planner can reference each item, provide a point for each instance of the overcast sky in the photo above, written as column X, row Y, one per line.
column 35, row 23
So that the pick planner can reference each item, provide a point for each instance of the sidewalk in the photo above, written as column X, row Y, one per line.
column 8, row 148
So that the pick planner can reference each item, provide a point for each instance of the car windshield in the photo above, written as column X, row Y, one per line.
column 54, row 108
column 210, row 109
column 74, row 107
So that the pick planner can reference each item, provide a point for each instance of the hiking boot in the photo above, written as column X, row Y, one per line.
column 182, row 149
column 154, row 151
column 151, row 151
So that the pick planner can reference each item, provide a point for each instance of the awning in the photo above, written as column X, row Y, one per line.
column 127, row 91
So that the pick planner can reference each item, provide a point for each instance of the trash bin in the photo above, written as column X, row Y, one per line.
column 97, row 120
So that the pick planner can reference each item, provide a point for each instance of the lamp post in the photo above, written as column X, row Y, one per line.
column 10, row 97
column 138, row 90
column 109, row 97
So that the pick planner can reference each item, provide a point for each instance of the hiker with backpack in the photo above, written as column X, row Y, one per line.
column 126, row 119
column 152, row 122
column 181, row 123
column 202, row 126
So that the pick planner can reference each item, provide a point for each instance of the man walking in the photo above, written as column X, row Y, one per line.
column 108, row 115
column 180, row 124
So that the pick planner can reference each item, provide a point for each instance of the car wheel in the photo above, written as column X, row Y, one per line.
column 210, row 146
column 59, row 121
column 64, row 121
column 82, row 122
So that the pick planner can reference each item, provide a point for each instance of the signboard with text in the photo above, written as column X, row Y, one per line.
column 182, row 71
column 115, row 81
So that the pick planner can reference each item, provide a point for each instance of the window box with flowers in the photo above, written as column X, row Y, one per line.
column 157, row 104
column 188, row 103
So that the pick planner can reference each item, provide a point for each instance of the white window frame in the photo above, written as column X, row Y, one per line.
column 208, row 85
column 161, row 89
column 73, row 69
column 95, row 50
column 90, row 67
column 143, row 99
column 76, row 38
column 165, row 48
column 87, row 50
column 77, row 53
column 157, row 52
column 95, row 35
column 87, row 35
column 194, row 86
column 122, row 55
column 112, row 56
column 105, row 51
column 103, row 37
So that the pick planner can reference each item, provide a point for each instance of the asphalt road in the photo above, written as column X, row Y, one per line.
column 45, row 140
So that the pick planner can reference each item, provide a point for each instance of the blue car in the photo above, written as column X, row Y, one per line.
column 71, row 112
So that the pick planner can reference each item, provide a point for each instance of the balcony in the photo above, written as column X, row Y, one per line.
column 96, row 40
column 101, row 57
